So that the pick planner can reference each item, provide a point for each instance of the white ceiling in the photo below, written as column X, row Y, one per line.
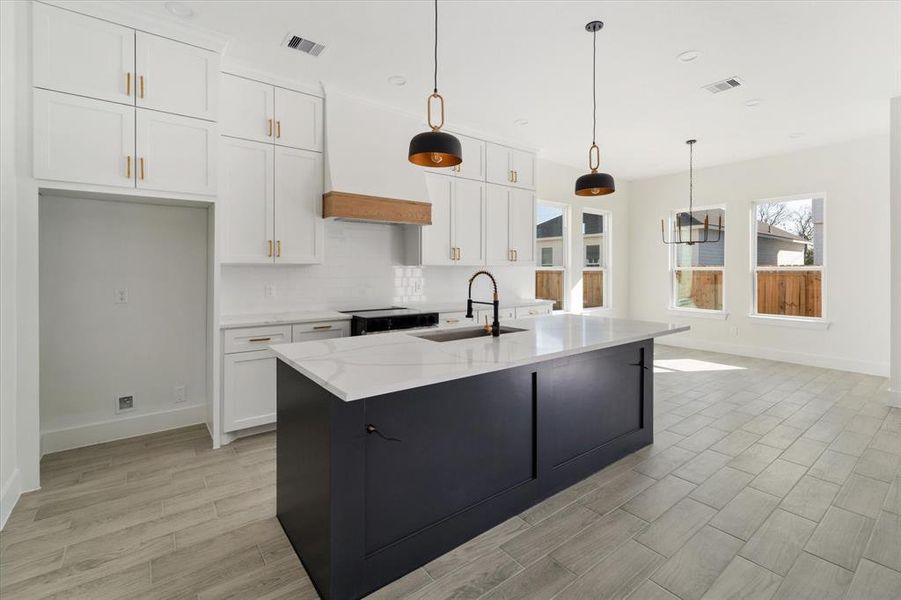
column 824, row 70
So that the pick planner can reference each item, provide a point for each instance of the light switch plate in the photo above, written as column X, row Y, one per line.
column 181, row 394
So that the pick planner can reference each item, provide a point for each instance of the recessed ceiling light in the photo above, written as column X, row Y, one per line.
column 397, row 80
column 753, row 102
column 521, row 122
column 689, row 55
column 796, row 135
column 180, row 10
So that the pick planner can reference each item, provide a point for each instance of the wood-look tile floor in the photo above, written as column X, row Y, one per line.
column 766, row 480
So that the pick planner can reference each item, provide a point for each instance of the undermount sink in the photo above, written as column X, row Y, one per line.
column 465, row 333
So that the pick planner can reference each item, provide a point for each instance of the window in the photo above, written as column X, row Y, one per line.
column 550, row 250
column 787, row 257
column 595, row 252
column 698, row 269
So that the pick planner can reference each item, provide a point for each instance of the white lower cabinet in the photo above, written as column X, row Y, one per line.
column 527, row 312
column 249, row 389
column 83, row 140
column 175, row 153
column 487, row 315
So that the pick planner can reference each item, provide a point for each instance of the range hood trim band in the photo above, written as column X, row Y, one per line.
column 375, row 209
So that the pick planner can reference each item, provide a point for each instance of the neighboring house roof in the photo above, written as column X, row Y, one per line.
column 554, row 227
column 766, row 230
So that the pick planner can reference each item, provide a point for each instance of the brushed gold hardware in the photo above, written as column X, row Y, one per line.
column 510, row 175
column 516, row 255
column 459, row 253
column 487, row 327
column 128, row 167
column 428, row 109
column 278, row 248
column 141, row 83
column 141, row 162
column 128, row 84
column 270, row 248
column 515, row 176
column 322, row 327
column 265, row 339
column 269, row 131
column 278, row 129
column 453, row 320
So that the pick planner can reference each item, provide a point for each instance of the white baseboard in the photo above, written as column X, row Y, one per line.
column 117, row 429
column 812, row 360
column 228, row 438
column 9, row 495
column 894, row 398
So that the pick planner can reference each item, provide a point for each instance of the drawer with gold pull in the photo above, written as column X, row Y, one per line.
column 255, row 338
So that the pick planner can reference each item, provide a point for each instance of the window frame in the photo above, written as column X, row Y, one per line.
column 715, row 313
column 789, row 320
column 565, row 225
column 606, row 251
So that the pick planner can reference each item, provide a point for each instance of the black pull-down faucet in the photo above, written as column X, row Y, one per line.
column 496, row 325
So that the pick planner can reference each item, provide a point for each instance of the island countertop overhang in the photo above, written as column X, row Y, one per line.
column 360, row 367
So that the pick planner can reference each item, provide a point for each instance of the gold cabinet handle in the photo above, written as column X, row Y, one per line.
column 141, row 85
column 128, row 84
column 269, row 131
column 265, row 339
column 278, row 129
column 452, row 320
column 515, row 255
column 459, row 253
column 278, row 248
column 322, row 327
column 515, row 176
column 141, row 166
column 270, row 248
column 453, row 253
column 128, row 166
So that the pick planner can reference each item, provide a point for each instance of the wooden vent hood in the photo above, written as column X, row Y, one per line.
column 359, row 207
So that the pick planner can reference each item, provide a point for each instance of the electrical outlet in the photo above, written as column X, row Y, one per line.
column 121, row 295
column 181, row 393
column 733, row 330
column 269, row 290
column 125, row 402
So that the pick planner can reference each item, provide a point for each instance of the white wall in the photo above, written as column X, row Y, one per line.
column 364, row 267
column 895, row 167
column 556, row 183
column 854, row 176
column 10, row 484
column 93, row 348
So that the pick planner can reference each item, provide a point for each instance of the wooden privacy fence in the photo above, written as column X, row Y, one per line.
column 703, row 288
column 592, row 289
column 549, row 286
column 792, row 293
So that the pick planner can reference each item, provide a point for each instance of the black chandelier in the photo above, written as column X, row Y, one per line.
column 435, row 148
column 594, row 183
column 704, row 237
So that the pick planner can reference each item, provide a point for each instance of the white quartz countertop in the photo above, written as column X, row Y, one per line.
column 310, row 316
column 353, row 368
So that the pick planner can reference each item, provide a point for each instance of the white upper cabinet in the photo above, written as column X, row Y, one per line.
column 246, row 201
column 457, row 234
column 81, row 55
column 473, row 165
column 298, row 120
column 298, row 206
column 82, row 140
column 510, row 226
column 175, row 153
column 469, row 231
column 175, row 77
column 247, row 109
column 258, row 111
column 507, row 166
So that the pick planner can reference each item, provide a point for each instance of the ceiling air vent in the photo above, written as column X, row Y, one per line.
column 310, row 47
column 722, row 86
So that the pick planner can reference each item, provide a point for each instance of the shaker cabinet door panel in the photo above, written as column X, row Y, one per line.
column 497, row 225
column 298, row 206
column 298, row 120
column 175, row 77
column 524, row 169
column 437, row 238
column 83, row 140
column 249, row 393
column 522, row 226
column 245, row 204
column 82, row 55
column 498, row 164
column 469, row 219
column 176, row 154
column 247, row 109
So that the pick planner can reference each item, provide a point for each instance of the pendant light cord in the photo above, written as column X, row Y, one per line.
column 691, row 177
column 594, row 87
column 436, row 48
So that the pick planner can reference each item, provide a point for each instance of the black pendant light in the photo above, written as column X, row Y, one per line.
column 594, row 183
column 704, row 236
column 435, row 148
